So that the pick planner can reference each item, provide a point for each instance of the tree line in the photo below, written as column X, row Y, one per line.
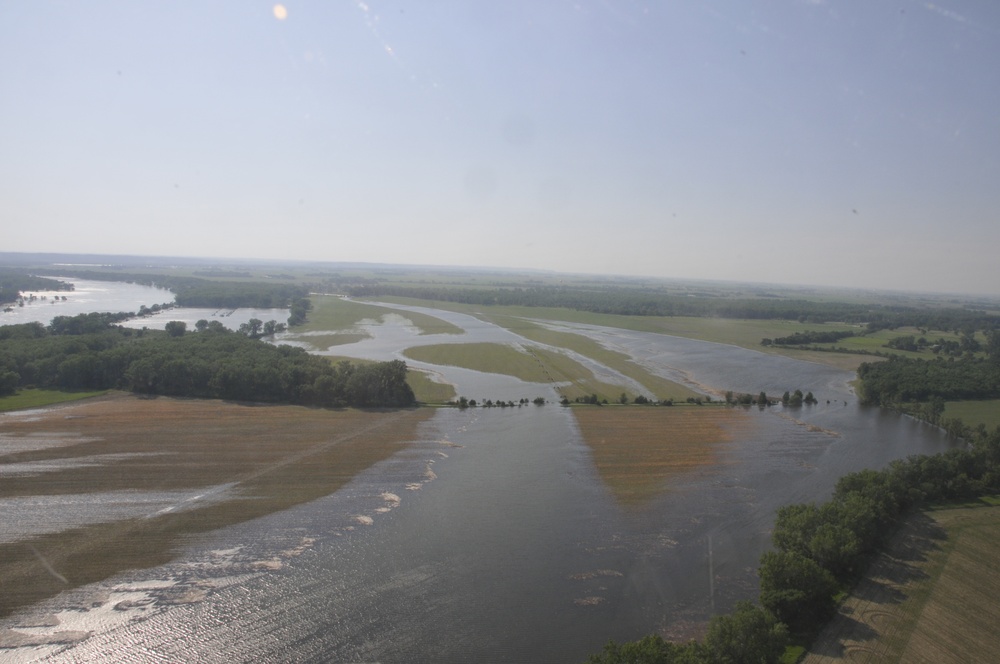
column 638, row 301
column 809, row 337
column 88, row 352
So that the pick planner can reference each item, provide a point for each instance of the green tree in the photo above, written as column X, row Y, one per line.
column 252, row 328
column 749, row 635
column 176, row 328
column 796, row 590
column 650, row 649
column 8, row 382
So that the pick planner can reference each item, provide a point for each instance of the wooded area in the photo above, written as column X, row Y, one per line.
column 88, row 352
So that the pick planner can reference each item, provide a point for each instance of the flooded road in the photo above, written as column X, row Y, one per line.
column 492, row 538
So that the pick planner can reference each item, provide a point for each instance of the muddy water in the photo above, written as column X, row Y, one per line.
column 491, row 538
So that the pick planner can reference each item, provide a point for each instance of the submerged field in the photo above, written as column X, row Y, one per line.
column 930, row 598
column 239, row 462
column 639, row 450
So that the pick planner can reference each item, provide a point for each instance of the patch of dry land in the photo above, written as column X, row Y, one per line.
column 271, row 458
column 930, row 599
column 638, row 450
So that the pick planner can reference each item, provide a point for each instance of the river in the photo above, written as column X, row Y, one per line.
column 492, row 538
column 113, row 297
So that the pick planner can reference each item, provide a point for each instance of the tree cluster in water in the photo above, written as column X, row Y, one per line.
column 88, row 352
column 788, row 399
column 464, row 403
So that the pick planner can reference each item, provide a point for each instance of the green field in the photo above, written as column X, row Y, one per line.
column 332, row 313
column 533, row 365
column 930, row 598
column 744, row 332
column 973, row 413
column 657, row 387
column 429, row 391
column 32, row 398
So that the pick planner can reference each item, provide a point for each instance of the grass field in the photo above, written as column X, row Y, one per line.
column 534, row 365
column 277, row 456
column 657, row 387
column 334, row 314
column 487, row 357
column 985, row 412
column 32, row 398
column 745, row 333
column 638, row 450
column 429, row 391
column 930, row 598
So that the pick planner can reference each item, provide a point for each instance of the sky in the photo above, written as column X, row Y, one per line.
column 822, row 142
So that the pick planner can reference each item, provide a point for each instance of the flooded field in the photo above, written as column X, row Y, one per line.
column 496, row 534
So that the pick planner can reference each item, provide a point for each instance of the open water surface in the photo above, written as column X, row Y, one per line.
column 491, row 537
column 113, row 297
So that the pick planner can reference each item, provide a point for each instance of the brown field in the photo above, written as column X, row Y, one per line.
column 930, row 599
column 278, row 456
column 638, row 450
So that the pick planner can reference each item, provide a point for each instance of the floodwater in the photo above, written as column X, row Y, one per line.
column 491, row 537
column 108, row 296
column 87, row 296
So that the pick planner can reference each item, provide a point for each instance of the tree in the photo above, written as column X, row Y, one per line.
column 252, row 328
column 201, row 325
column 176, row 328
column 796, row 590
column 796, row 400
column 272, row 327
column 650, row 649
column 750, row 635
column 8, row 382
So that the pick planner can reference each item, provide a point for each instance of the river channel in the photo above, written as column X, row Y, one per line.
column 492, row 538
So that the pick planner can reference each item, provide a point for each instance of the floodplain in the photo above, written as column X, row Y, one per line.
column 226, row 462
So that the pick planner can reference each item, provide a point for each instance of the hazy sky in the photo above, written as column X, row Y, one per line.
column 841, row 142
